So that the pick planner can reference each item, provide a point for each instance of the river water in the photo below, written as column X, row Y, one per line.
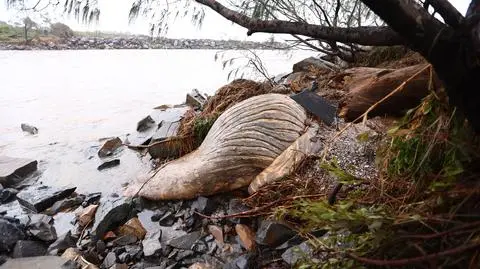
column 75, row 98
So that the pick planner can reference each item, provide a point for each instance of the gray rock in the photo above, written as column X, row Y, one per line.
column 273, row 234
column 50, row 262
column 108, row 164
column 298, row 253
column 243, row 262
column 110, row 147
column 41, row 227
column 64, row 204
column 167, row 220
column 111, row 213
column 309, row 62
column 236, row 206
column 109, row 260
column 135, row 252
column 195, row 99
column 64, row 222
column 183, row 254
column 185, row 241
column 151, row 244
column 13, row 169
column 92, row 198
column 167, row 129
column 62, row 243
column 119, row 266
column 204, row 205
column 26, row 248
column 29, row 128
column 7, row 195
column 10, row 233
column 39, row 198
column 125, row 240
column 145, row 124
column 125, row 257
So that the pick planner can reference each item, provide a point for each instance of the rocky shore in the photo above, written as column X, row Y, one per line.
column 56, row 227
column 138, row 42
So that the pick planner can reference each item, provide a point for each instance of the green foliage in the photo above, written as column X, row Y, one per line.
column 340, row 174
column 201, row 127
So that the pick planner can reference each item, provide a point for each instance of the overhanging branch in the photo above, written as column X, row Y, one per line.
column 368, row 36
column 448, row 12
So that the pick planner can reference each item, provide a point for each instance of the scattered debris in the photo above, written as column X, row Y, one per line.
column 29, row 129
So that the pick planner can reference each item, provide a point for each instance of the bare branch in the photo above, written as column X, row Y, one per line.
column 370, row 36
column 448, row 12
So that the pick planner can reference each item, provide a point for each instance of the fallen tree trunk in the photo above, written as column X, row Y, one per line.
column 367, row 86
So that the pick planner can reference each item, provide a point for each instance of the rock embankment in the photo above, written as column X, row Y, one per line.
column 79, row 43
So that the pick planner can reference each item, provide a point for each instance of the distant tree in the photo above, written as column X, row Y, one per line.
column 28, row 24
column 61, row 30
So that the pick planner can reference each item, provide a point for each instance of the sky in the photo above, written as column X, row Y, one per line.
column 114, row 18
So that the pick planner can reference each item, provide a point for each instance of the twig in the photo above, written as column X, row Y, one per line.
column 407, row 261
column 435, row 235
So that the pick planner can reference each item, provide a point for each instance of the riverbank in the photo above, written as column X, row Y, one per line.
column 335, row 205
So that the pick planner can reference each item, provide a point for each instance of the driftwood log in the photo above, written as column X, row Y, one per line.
column 366, row 86
column 242, row 142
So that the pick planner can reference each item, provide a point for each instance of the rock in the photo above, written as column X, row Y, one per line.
column 217, row 233
column 64, row 222
column 65, row 204
column 7, row 195
column 85, row 216
column 297, row 253
column 75, row 255
column 195, row 99
column 26, row 248
column 110, row 214
column 159, row 213
column 12, row 169
column 39, row 198
column 124, row 240
column 9, row 235
column 183, row 254
column 199, row 265
column 236, row 206
column 62, row 243
column 110, row 147
column 247, row 236
column 109, row 260
column 167, row 220
column 119, row 266
column 293, row 76
column 243, row 262
column 108, row 164
column 92, row 198
column 273, row 234
column 152, row 245
column 29, row 128
column 145, row 124
column 41, row 227
column 167, row 129
column 170, row 146
column 125, row 257
column 135, row 251
column 204, row 205
column 280, row 78
column 50, row 262
column 309, row 62
column 185, row 241
column 1, row 187
column 133, row 227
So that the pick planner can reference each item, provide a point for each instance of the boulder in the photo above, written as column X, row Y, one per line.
column 10, row 233
column 109, row 147
column 29, row 128
column 195, row 99
column 108, row 164
column 27, row 248
column 145, row 124
column 41, row 227
column 12, row 169
column 39, row 198
column 273, row 234
column 185, row 241
column 306, row 64
column 111, row 213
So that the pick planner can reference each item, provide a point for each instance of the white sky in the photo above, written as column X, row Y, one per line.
column 114, row 17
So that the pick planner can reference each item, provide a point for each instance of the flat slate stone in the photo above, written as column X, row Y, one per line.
column 112, row 213
column 39, row 198
column 12, row 169
column 40, row 262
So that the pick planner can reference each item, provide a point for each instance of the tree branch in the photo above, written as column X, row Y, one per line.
column 368, row 36
column 448, row 12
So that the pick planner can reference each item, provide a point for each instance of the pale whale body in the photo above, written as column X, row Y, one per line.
column 242, row 142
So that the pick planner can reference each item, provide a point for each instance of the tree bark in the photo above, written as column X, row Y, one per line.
column 368, row 36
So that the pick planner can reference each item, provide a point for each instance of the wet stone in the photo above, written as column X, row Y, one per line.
column 135, row 251
column 92, row 198
column 26, row 248
column 65, row 204
column 125, row 240
column 151, row 244
column 7, row 195
column 167, row 220
column 41, row 227
column 145, row 124
column 186, row 241
column 109, row 147
column 111, row 214
column 13, row 169
column 236, row 206
column 39, row 198
column 125, row 257
column 243, row 262
column 10, row 233
column 159, row 213
column 204, row 205
column 50, row 262
column 119, row 266
column 298, row 253
column 109, row 260
column 183, row 254
column 200, row 246
column 273, row 234
column 108, row 164
column 62, row 243
column 101, row 247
